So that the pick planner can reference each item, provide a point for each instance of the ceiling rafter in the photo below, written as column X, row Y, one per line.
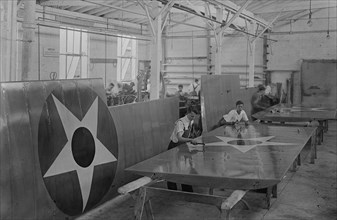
column 87, row 8
column 297, row 7
column 115, row 10
column 191, row 11
column 115, row 7
column 233, row 8
column 298, row 16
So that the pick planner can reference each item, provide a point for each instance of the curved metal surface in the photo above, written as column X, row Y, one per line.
column 41, row 175
column 244, row 157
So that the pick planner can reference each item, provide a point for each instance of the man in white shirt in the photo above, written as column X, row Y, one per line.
column 194, row 88
column 182, row 128
column 234, row 116
column 181, row 134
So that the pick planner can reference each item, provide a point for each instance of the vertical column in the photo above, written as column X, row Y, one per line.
column 251, row 55
column 8, row 37
column 209, row 53
column 156, row 53
column 28, row 26
column 218, row 48
column 265, row 59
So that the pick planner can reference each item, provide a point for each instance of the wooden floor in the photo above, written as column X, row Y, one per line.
column 308, row 193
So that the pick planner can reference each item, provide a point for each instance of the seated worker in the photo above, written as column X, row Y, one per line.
column 194, row 88
column 256, row 101
column 109, row 91
column 234, row 116
column 180, row 90
column 181, row 134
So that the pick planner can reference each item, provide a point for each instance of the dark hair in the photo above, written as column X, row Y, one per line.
column 261, row 87
column 239, row 102
column 111, row 84
column 180, row 85
column 196, row 80
column 194, row 109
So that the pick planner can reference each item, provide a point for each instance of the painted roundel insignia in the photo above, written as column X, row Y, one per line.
column 78, row 150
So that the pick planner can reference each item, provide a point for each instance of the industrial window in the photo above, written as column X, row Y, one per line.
column 73, row 53
column 127, row 60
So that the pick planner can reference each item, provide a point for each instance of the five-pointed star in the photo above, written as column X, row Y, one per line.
column 65, row 162
column 298, row 109
column 244, row 148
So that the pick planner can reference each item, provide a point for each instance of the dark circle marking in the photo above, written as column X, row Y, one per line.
column 83, row 147
column 52, row 139
column 244, row 142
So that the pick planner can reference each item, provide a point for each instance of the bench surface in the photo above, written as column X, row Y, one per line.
column 293, row 113
column 233, row 157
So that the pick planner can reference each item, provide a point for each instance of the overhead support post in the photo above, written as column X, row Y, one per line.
column 8, row 37
column 218, row 40
column 156, row 44
column 251, row 55
column 28, row 26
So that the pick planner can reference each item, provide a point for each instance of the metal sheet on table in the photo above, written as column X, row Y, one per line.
column 240, row 159
column 290, row 113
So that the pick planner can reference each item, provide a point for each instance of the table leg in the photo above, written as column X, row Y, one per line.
column 321, row 132
column 148, row 210
column 143, row 203
column 299, row 159
column 313, row 149
column 268, row 196
column 294, row 165
column 274, row 191
column 326, row 125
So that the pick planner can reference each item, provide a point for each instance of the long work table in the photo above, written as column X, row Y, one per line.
column 288, row 113
column 237, row 157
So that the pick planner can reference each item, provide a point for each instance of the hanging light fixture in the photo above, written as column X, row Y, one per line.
column 328, row 31
column 310, row 14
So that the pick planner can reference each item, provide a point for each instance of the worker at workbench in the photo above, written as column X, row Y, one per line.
column 182, row 134
column 236, row 115
column 256, row 101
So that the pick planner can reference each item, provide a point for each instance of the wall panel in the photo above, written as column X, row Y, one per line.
column 219, row 94
column 318, row 83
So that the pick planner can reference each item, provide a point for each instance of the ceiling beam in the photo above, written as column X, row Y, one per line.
column 87, row 8
column 298, row 16
column 115, row 10
column 232, row 7
column 63, row 3
column 298, row 7
column 184, row 23
column 266, row 28
column 76, row 15
column 237, row 14
column 115, row 7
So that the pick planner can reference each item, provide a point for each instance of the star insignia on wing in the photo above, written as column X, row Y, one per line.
column 65, row 162
column 251, row 142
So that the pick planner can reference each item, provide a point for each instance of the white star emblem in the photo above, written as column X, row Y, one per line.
column 65, row 162
column 298, row 109
column 260, row 141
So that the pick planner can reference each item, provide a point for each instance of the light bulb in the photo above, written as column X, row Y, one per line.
column 309, row 23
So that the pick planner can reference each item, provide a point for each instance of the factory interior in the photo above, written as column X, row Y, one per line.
column 168, row 109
